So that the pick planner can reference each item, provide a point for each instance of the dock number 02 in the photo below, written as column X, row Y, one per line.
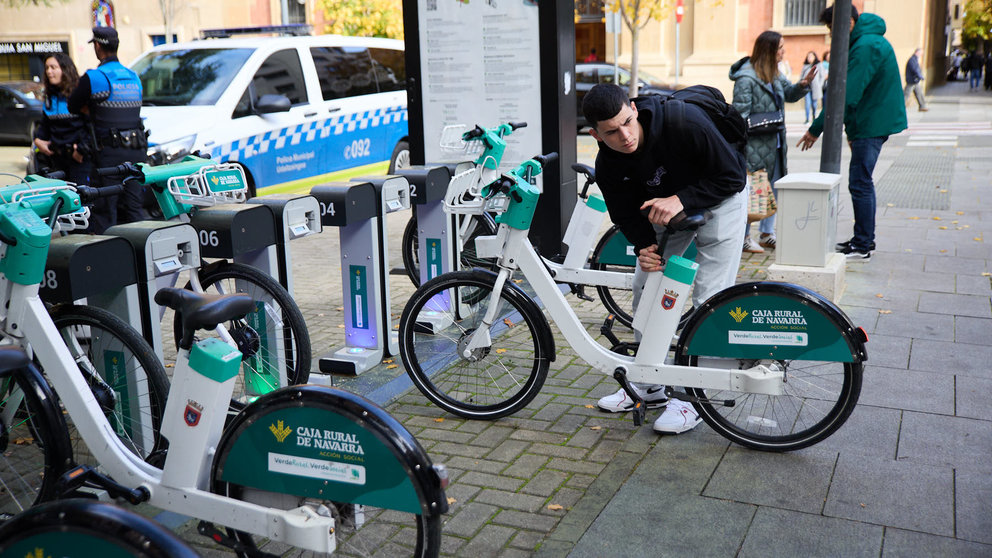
column 209, row 238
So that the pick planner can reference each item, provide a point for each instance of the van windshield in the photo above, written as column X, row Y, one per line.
column 188, row 76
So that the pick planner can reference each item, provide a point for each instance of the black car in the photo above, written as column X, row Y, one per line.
column 20, row 110
column 589, row 74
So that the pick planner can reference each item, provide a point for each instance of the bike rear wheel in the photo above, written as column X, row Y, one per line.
column 274, row 336
column 495, row 381
column 103, row 345
column 611, row 255
column 474, row 227
column 819, row 397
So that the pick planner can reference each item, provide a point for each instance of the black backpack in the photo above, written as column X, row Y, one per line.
column 725, row 117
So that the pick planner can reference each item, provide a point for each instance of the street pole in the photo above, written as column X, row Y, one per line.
column 679, row 11
column 833, row 125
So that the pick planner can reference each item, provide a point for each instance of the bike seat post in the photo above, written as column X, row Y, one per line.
column 195, row 413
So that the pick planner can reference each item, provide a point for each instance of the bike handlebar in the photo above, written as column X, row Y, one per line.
column 124, row 170
column 88, row 193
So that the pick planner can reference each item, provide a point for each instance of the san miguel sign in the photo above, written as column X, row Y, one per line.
column 32, row 47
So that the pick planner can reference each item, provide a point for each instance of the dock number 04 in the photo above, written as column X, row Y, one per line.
column 209, row 238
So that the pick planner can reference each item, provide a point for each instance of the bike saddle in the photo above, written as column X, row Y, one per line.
column 204, row 311
column 586, row 170
column 12, row 358
column 689, row 221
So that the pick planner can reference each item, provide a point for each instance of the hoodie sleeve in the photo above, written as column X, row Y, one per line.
column 792, row 91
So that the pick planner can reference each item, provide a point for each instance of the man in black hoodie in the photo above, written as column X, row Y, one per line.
column 644, row 166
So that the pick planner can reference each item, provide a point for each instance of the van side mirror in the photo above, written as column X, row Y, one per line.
column 272, row 103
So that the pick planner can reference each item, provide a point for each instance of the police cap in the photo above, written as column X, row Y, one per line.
column 106, row 36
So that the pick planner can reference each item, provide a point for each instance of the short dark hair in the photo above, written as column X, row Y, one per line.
column 603, row 102
column 827, row 16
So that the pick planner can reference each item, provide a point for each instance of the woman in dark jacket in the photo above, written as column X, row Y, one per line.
column 760, row 88
column 61, row 137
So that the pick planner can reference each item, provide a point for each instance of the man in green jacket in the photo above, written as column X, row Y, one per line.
column 874, row 109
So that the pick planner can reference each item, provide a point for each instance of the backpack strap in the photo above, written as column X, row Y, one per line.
column 673, row 116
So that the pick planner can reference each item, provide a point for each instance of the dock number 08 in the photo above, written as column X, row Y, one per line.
column 209, row 238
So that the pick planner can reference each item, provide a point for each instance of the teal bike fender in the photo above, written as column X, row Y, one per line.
column 768, row 320
column 329, row 444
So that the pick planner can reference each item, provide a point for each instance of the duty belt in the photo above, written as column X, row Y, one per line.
column 134, row 138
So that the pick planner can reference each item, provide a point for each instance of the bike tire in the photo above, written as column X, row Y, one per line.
column 499, row 379
column 619, row 302
column 91, row 528
column 34, row 443
column 409, row 251
column 821, row 390
column 89, row 331
column 284, row 329
column 468, row 257
column 383, row 532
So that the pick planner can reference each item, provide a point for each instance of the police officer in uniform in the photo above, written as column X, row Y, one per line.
column 110, row 95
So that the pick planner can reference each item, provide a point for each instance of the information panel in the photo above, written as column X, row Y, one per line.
column 480, row 64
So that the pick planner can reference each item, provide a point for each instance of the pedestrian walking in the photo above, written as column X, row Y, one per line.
column 914, row 78
column 975, row 65
column 872, row 112
column 988, row 71
column 110, row 95
column 61, row 139
column 760, row 94
column 814, row 96
column 824, row 70
column 643, row 166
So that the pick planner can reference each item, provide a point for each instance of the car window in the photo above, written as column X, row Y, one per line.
column 606, row 76
column 344, row 71
column 280, row 74
column 390, row 69
column 188, row 76
column 586, row 76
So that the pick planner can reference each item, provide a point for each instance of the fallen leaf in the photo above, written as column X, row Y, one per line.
column 397, row 326
column 977, row 239
column 914, row 218
column 960, row 212
column 170, row 365
column 942, row 227
column 943, row 251
column 593, row 406
column 890, row 204
column 984, row 274
column 935, row 218
column 500, row 351
column 954, row 222
column 966, row 226
column 340, row 308
column 885, row 311
column 388, row 361
column 555, row 507
column 943, row 191
column 451, row 500
column 23, row 441
column 595, row 428
column 518, row 280
column 391, row 366
column 879, row 295
column 439, row 419
column 508, row 322
column 320, row 315
column 862, row 505
column 340, row 326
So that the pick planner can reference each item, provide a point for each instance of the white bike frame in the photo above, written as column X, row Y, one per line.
column 187, row 467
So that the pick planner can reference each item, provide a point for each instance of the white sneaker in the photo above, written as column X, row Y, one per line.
column 619, row 402
column 678, row 417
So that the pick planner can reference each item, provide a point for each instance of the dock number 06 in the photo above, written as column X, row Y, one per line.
column 209, row 238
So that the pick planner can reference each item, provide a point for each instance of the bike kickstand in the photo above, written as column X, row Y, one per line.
column 620, row 375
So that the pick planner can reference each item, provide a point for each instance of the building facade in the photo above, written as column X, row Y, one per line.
column 714, row 34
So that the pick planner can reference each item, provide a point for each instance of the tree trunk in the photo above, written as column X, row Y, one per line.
column 635, row 32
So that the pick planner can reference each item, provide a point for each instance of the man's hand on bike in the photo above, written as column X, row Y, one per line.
column 649, row 259
column 661, row 210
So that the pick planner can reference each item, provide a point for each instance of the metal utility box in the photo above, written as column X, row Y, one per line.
column 296, row 216
column 806, row 227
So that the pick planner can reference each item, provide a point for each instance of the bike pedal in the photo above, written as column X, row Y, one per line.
column 208, row 530
column 580, row 292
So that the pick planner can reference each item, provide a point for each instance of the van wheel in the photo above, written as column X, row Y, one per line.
column 401, row 157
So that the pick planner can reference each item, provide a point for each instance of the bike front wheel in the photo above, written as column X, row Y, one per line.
column 103, row 346
column 273, row 339
column 493, row 381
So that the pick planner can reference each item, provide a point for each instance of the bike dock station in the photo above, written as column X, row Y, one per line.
column 357, row 208
column 296, row 216
column 161, row 250
column 436, row 248
column 97, row 268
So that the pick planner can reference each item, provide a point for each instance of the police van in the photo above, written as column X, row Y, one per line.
column 292, row 111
